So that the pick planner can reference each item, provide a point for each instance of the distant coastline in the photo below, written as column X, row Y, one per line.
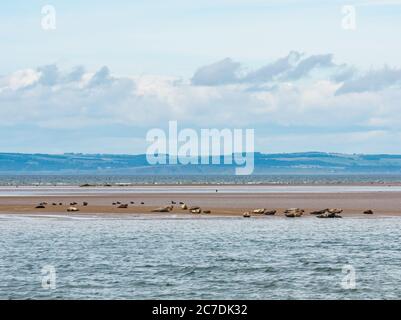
column 307, row 163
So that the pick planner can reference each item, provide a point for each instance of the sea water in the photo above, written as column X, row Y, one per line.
column 172, row 257
column 104, row 179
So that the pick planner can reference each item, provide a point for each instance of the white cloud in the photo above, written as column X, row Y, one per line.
column 374, row 80
column 21, row 79
column 47, row 97
column 218, row 73
column 292, row 67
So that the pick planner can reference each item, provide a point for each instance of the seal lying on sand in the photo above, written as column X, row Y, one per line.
column 163, row 209
column 368, row 211
column 294, row 213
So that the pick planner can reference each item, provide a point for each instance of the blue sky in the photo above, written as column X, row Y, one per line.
column 111, row 71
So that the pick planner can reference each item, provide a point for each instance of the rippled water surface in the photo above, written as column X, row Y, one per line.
column 205, row 258
column 254, row 189
column 205, row 179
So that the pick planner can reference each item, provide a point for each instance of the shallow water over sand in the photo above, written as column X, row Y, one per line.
column 74, row 190
column 216, row 258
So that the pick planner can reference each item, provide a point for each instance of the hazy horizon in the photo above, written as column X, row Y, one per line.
column 221, row 155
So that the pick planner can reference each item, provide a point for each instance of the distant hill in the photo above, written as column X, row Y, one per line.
column 281, row 163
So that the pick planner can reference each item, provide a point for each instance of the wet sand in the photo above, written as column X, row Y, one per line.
column 220, row 204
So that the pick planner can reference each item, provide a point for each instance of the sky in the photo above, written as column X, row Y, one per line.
column 306, row 75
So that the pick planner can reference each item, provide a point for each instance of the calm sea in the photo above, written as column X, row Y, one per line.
column 100, row 180
column 202, row 258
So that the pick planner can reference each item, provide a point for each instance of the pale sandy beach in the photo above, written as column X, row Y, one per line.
column 229, row 202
